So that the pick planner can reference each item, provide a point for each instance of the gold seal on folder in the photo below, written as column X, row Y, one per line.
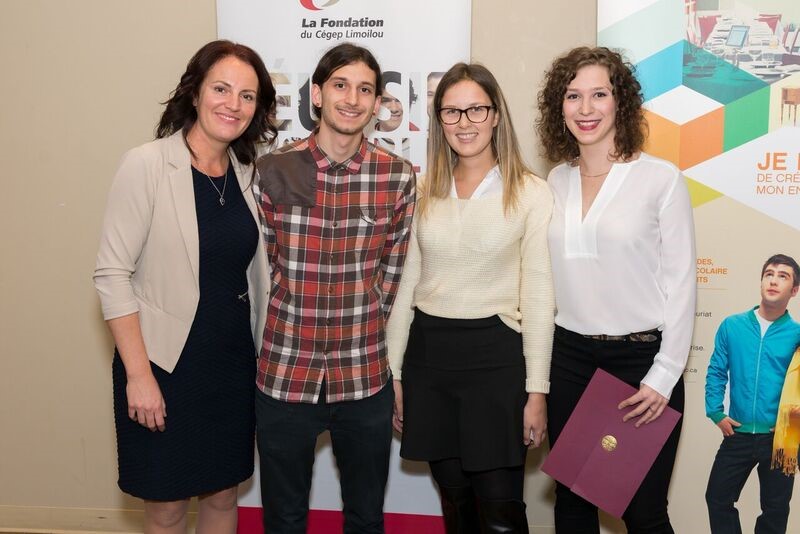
column 609, row 443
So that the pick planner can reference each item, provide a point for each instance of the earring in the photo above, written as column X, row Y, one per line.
column 563, row 126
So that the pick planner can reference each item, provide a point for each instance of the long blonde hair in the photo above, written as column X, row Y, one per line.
column 442, row 159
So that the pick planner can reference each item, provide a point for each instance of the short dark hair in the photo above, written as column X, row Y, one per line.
column 180, row 113
column 783, row 259
column 558, row 143
column 340, row 56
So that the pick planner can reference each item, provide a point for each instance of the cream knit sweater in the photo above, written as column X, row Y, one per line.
column 467, row 260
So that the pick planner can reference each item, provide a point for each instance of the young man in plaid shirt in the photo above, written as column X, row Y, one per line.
column 337, row 211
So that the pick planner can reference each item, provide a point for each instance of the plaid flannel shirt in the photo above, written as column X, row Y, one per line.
column 336, row 236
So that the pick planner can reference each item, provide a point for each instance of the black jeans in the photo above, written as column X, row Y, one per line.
column 361, row 437
column 737, row 456
column 575, row 359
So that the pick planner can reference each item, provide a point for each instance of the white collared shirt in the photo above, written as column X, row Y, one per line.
column 629, row 265
column 491, row 184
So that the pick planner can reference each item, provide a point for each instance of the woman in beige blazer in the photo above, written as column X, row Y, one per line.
column 182, row 280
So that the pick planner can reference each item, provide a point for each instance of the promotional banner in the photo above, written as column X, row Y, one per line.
column 414, row 41
column 721, row 80
column 406, row 37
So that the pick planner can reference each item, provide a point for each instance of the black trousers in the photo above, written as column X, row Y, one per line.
column 738, row 455
column 361, row 436
column 575, row 359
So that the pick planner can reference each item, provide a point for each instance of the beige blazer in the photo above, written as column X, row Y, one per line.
column 149, row 249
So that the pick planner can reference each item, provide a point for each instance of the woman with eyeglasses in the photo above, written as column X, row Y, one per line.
column 471, row 330
column 622, row 247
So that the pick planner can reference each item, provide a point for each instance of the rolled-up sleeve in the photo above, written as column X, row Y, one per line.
column 125, row 228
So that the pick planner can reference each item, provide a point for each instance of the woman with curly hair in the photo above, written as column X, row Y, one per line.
column 622, row 252
column 472, row 326
column 180, row 263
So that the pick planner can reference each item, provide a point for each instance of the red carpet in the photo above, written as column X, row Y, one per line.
column 330, row 522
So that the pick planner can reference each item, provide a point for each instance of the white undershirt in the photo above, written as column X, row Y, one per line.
column 764, row 323
column 629, row 265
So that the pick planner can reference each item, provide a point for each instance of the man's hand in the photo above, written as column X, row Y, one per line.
column 397, row 418
column 727, row 425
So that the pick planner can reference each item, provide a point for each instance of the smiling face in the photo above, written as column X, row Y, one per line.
column 395, row 109
column 590, row 110
column 469, row 139
column 225, row 104
column 777, row 286
column 347, row 99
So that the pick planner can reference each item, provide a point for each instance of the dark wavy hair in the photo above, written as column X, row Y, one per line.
column 631, row 127
column 180, row 113
column 340, row 56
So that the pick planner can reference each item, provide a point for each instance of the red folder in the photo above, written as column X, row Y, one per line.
column 598, row 456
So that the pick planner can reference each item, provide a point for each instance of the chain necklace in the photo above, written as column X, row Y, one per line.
column 593, row 175
column 224, row 185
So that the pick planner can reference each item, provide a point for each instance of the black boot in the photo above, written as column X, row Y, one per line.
column 459, row 509
column 503, row 517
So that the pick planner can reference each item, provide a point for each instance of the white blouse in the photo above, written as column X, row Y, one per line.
column 629, row 265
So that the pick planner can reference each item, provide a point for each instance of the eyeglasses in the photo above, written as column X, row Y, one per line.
column 475, row 114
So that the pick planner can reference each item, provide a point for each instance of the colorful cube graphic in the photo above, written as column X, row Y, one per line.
column 686, row 127
column 746, row 118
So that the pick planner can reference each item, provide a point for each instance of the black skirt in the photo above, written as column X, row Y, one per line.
column 464, row 392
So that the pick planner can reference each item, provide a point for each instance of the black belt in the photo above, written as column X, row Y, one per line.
column 646, row 336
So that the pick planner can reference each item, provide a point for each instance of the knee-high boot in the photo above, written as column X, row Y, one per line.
column 459, row 509
column 503, row 517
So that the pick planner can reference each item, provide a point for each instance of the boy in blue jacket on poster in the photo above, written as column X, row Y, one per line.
column 752, row 350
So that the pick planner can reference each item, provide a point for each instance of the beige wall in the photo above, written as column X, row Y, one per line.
column 82, row 81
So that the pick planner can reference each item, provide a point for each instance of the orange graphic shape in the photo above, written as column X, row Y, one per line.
column 701, row 138
column 663, row 140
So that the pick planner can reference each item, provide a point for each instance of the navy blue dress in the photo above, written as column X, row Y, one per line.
column 209, row 438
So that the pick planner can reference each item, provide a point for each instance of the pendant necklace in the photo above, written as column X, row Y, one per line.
column 224, row 185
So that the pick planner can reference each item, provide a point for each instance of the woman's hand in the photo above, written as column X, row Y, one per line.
column 397, row 417
column 650, row 403
column 145, row 402
column 534, row 425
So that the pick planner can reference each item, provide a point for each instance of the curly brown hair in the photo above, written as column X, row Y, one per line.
column 631, row 127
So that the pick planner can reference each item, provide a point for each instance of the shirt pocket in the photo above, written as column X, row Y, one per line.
column 368, row 227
